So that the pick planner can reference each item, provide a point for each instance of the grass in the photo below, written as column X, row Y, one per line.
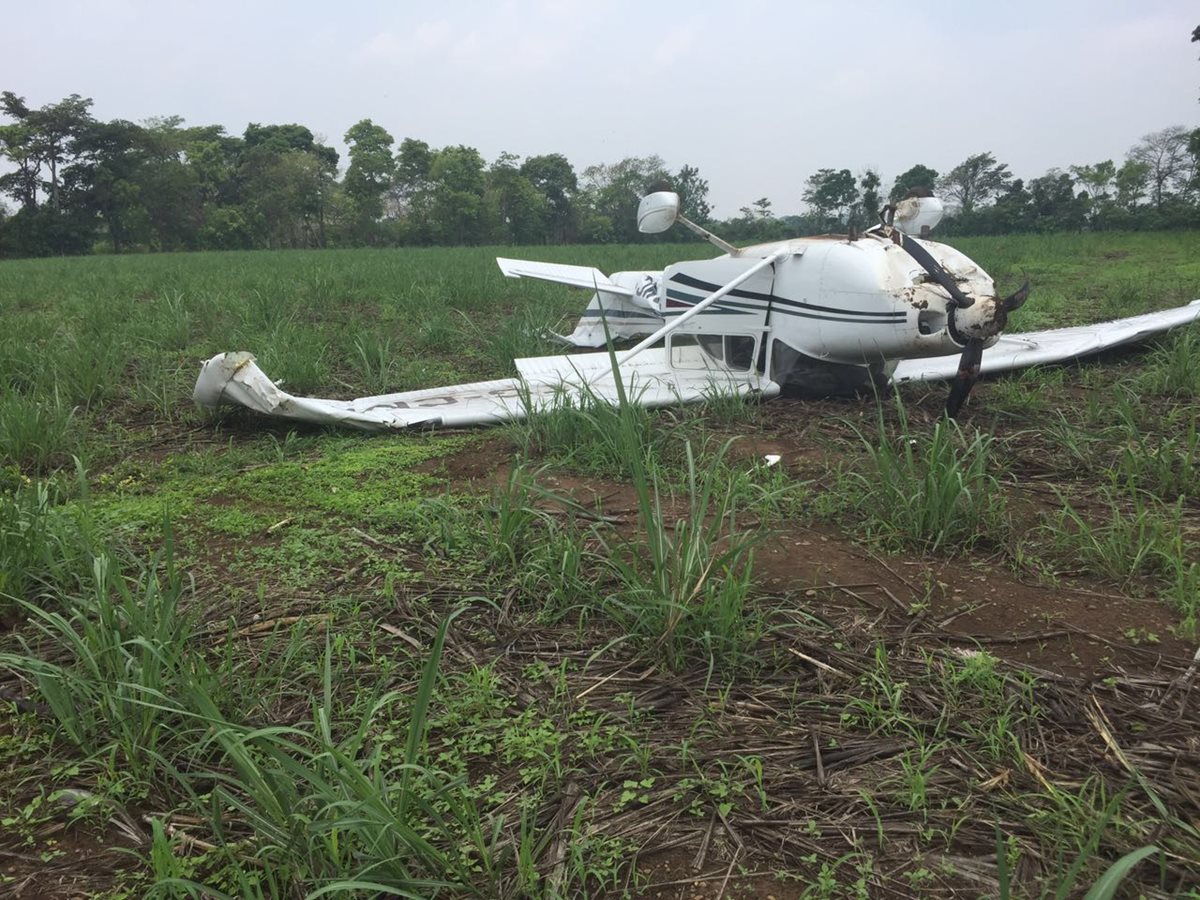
column 936, row 491
column 1171, row 369
column 1140, row 538
column 687, row 592
column 37, row 432
column 127, row 648
column 588, row 434
column 44, row 544
column 293, row 662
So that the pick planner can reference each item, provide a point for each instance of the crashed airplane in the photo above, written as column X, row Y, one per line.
column 817, row 316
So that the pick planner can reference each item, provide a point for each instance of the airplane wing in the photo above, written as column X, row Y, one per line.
column 575, row 276
column 1017, row 351
column 544, row 382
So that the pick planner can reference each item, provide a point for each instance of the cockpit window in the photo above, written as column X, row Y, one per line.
column 710, row 351
column 739, row 351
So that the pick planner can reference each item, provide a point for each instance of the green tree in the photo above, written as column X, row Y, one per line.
column 918, row 178
column 1012, row 210
column 286, row 179
column 1169, row 166
column 214, row 157
column 830, row 193
column 1194, row 150
column 17, row 146
column 170, row 189
column 369, row 177
column 693, row 194
column 409, row 202
column 1097, row 180
column 975, row 180
column 516, row 210
column 41, row 144
column 413, row 162
column 457, row 183
column 1054, row 204
column 754, row 222
column 612, row 193
column 1130, row 182
column 870, row 201
column 553, row 176
column 281, row 196
column 55, row 128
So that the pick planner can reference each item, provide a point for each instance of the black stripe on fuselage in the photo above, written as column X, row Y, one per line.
column 690, row 281
column 726, row 307
column 618, row 314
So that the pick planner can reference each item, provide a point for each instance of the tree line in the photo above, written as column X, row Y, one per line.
column 76, row 184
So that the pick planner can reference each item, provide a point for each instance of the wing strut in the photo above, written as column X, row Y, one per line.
column 705, row 303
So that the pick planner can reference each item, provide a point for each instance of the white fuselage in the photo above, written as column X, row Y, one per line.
column 863, row 303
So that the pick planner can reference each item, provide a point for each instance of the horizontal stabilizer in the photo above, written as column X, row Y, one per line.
column 575, row 276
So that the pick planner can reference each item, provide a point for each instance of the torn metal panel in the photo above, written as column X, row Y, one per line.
column 1017, row 351
column 544, row 383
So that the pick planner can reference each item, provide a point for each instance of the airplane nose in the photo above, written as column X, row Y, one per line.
column 983, row 319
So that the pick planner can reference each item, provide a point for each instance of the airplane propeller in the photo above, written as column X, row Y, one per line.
column 971, row 323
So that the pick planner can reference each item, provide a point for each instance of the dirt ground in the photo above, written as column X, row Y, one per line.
column 1078, row 637
column 1111, row 704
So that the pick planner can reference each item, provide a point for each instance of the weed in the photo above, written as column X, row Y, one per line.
column 560, row 570
column 44, row 546
column 588, row 433
column 36, row 432
column 375, row 361
column 1025, row 393
column 1183, row 590
column 686, row 592
column 1167, row 467
column 326, row 811
column 917, row 768
column 513, row 522
column 935, row 494
column 1171, row 369
column 1140, row 538
column 881, row 703
column 523, row 332
column 127, row 648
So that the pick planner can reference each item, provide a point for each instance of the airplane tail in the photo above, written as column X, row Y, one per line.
column 629, row 301
column 631, row 315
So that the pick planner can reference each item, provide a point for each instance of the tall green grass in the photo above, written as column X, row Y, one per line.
column 583, row 431
column 1172, row 369
column 38, row 432
column 314, row 808
column 325, row 810
column 1134, row 537
column 113, row 662
column 45, row 546
column 933, row 492
column 686, row 589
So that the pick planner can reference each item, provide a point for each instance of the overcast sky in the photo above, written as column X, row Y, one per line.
column 757, row 95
